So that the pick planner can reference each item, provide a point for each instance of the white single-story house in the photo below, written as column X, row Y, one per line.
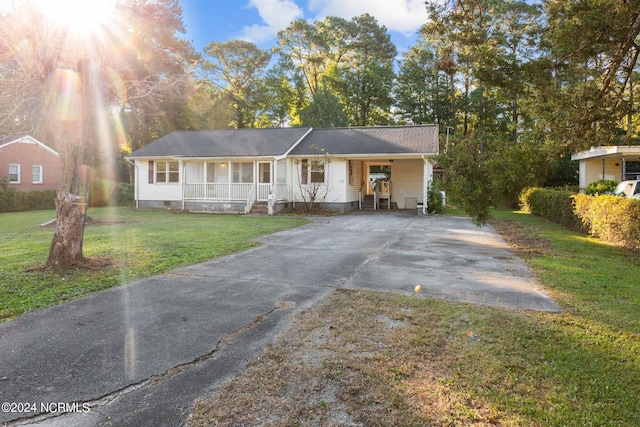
column 233, row 170
column 616, row 163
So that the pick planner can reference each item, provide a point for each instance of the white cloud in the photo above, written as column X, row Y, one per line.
column 403, row 16
column 276, row 15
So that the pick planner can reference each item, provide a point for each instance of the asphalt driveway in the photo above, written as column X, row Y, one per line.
column 142, row 353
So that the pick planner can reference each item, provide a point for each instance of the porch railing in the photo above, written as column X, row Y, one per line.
column 263, row 191
column 217, row 191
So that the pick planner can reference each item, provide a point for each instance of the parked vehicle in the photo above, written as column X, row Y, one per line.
column 628, row 189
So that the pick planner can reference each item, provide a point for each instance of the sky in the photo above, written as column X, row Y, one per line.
column 259, row 21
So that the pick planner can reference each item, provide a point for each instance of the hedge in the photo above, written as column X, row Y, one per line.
column 101, row 193
column 12, row 200
column 611, row 218
column 555, row 205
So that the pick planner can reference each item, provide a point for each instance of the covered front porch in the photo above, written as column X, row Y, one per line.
column 235, row 181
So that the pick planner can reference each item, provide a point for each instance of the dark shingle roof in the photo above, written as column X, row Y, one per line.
column 387, row 140
column 223, row 143
column 371, row 140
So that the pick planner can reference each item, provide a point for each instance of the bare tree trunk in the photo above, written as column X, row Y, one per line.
column 71, row 128
column 66, row 246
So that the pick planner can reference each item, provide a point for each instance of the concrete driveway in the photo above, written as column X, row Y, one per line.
column 142, row 353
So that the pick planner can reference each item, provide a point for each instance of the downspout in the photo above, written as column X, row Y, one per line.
column 135, row 182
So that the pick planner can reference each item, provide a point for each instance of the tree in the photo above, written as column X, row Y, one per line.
column 364, row 78
column 353, row 59
column 422, row 92
column 591, row 59
column 238, row 68
column 324, row 111
column 76, row 81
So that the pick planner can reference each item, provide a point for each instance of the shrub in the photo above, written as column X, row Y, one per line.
column 12, row 200
column 611, row 218
column 555, row 205
column 105, row 193
column 601, row 186
column 435, row 200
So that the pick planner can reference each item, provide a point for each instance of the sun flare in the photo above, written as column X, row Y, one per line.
column 80, row 16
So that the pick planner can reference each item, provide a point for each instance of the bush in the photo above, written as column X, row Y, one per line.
column 601, row 186
column 611, row 218
column 555, row 205
column 109, row 193
column 435, row 200
column 12, row 200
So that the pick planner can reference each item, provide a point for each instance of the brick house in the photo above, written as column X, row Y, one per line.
column 28, row 164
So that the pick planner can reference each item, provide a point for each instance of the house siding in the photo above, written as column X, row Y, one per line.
column 161, row 192
column 27, row 155
column 407, row 181
column 353, row 190
column 593, row 170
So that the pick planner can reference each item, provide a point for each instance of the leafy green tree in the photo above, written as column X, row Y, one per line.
column 353, row 58
column 592, row 57
column 422, row 92
column 324, row 111
column 238, row 68
column 365, row 75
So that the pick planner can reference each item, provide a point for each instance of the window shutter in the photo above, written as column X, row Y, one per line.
column 150, row 171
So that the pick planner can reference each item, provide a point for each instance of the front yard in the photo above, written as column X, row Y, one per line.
column 138, row 243
column 366, row 358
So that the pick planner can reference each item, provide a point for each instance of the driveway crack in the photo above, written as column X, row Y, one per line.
column 103, row 401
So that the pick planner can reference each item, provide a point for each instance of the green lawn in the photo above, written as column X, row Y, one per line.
column 141, row 243
column 583, row 365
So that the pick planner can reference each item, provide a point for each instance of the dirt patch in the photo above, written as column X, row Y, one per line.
column 359, row 358
column 521, row 237
column 88, row 223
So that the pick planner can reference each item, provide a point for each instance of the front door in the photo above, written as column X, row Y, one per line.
column 264, row 181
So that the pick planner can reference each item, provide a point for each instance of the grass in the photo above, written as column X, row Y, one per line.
column 367, row 358
column 140, row 243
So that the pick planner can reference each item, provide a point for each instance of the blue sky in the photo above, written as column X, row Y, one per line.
column 260, row 20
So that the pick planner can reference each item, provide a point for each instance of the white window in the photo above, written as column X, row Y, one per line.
column 14, row 174
column 242, row 172
column 36, row 174
column 317, row 172
column 167, row 172
column 312, row 172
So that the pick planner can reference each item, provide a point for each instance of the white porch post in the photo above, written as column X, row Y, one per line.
column 428, row 180
column 229, row 180
column 183, row 171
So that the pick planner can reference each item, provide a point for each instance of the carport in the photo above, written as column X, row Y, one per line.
column 617, row 163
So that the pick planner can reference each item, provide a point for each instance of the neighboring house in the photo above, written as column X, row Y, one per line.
column 232, row 170
column 616, row 163
column 28, row 164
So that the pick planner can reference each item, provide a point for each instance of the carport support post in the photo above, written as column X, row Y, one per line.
column 624, row 169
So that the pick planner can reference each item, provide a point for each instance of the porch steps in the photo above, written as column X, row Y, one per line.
column 259, row 208
column 367, row 203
